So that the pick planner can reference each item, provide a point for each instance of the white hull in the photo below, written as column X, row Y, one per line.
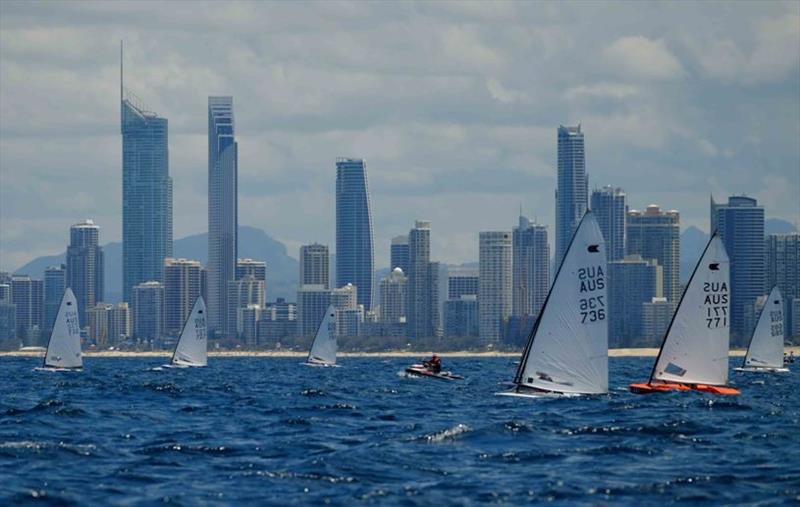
column 180, row 366
column 514, row 393
column 53, row 368
column 754, row 369
column 322, row 365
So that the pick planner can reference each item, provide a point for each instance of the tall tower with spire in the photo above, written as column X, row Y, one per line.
column 146, row 192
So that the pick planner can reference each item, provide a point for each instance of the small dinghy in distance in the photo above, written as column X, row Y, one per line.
column 64, row 347
column 324, row 346
column 419, row 370
column 192, row 347
column 694, row 354
column 567, row 349
column 765, row 353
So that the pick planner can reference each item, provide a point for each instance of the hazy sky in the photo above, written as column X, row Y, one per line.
column 454, row 105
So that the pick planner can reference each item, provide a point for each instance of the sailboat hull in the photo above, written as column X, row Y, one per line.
column 55, row 369
column 669, row 387
column 321, row 365
column 753, row 369
column 534, row 393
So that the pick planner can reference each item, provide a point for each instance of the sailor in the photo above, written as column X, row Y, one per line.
column 433, row 364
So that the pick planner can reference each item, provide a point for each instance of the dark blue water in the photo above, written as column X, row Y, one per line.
column 269, row 431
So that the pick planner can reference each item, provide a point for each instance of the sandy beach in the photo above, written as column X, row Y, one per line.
column 648, row 352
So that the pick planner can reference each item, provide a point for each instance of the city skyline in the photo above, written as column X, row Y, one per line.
column 696, row 142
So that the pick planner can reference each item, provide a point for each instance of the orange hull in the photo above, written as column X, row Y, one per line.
column 665, row 387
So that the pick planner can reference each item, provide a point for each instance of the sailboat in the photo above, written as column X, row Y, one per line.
column 694, row 354
column 64, row 347
column 765, row 353
column 192, row 347
column 323, row 349
column 567, row 349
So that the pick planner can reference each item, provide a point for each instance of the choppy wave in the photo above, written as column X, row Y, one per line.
column 258, row 430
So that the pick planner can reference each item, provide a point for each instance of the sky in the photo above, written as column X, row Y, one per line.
column 454, row 105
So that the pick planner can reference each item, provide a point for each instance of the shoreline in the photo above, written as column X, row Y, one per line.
column 627, row 352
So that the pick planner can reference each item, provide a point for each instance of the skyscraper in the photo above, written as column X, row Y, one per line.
column 783, row 270
column 399, row 253
column 315, row 265
column 181, row 290
column 654, row 234
column 609, row 207
column 632, row 282
column 494, row 297
column 85, row 267
column 419, row 287
column 531, row 267
column 148, row 310
column 573, row 186
column 740, row 224
column 27, row 295
column 55, row 282
column 223, row 214
column 146, row 193
column 355, row 258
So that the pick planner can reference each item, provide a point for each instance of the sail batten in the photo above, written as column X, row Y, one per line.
column 323, row 349
column 64, row 347
column 192, row 346
column 695, row 347
column 766, row 345
column 567, row 350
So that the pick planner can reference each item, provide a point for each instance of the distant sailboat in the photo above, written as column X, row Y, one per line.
column 694, row 354
column 64, row 348
column 323, row 349
column 567, row 349
column 765, row 353
column 192, row 347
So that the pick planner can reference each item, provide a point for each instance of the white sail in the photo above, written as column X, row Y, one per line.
column 766, row 346
column 568, row 348
column 323, row 350
column 695, row 349
column 192, row 347
column 64, row 347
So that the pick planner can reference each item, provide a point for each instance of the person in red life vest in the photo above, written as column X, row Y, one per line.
column 434, row 364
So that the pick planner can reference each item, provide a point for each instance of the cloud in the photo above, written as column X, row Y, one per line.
column 454, row 105
column 642, row 58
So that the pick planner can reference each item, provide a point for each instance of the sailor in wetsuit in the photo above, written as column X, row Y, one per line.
column 433, row 364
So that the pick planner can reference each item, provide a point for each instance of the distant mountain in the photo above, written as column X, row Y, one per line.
column 282, row 270
column 778, row 226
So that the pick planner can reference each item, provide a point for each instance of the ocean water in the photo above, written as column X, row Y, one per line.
column 268, row 431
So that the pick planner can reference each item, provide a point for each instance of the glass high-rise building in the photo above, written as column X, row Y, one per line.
column 355, row 257
column 531, row 267
column 609, row 207
column 573, row 186
column 223, row 213
column 399, row 253
column 740, row 224
column 148, row 310
column 632, row 282
column 146, row 193
column 85, row 267
column 655, row 234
